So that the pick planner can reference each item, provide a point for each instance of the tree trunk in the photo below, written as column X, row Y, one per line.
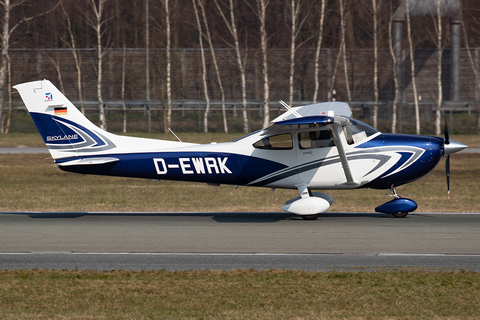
column 76, row 58
column 4, row 62
column 375, row 65
column 395, row 79
column 124, row 62
column 169, row 65
column 438, row 113
column 215, row 64
column 344, row 51
column 294, row 16
column 317, row 54
column 96, row 23
column 56, row 65
column 262, row 8
column 232, row 27
column 204, row 68
column 412, row 71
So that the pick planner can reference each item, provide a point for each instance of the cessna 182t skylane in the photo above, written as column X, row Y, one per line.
column 312, row 147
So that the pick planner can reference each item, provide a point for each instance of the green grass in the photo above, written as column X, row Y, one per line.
column 243, row 294
column 31, row 182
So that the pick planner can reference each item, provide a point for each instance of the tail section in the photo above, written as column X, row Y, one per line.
column 64, row 129
column 68, row 133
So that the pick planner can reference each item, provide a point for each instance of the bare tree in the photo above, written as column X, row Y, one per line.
column 296, row 26
column 395, row 78
column 124, row 62
column 5, row 60
column 317, row 53
column 215, row 64
column 344, row 50
column 475, row 71
column 73, row 47
column 56, row 64
column 412, row 70
column 438, row 113
column 261, row 12
column 5, row 67
column 232, row 28
column 204, row 68
column 97, row 22
column 166, row 4
column 375, row 65
column 440, row 88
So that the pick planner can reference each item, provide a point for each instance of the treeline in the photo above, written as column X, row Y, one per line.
column 125, row 22
column 303, row 50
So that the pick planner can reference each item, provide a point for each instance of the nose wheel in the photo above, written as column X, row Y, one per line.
column 398, row 207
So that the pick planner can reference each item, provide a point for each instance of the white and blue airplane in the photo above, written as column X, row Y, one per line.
column 312, row 147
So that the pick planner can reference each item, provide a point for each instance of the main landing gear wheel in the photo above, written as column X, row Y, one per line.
column 400, row 214
column 310, row 216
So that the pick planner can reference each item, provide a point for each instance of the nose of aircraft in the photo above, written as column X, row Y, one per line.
column 453, row 147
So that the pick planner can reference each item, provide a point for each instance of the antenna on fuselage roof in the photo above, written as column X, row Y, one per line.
column 175, row 135
column 295, row 113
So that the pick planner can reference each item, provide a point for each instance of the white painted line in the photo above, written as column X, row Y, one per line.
column 381, row 254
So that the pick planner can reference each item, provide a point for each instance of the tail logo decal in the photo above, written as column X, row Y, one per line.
column 68, row 136
column 48, row 97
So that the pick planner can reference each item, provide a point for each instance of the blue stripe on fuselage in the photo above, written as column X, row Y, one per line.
column 224, row 168
column 433, row 147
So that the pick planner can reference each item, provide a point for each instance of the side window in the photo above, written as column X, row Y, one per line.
column 278, row 142
column 315, row 139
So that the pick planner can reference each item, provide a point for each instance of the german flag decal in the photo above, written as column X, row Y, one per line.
column 61, row 111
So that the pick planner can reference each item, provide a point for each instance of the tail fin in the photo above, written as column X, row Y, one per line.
column 64, row 129
column 68, row 133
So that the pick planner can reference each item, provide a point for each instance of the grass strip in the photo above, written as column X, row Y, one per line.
column 239, row 294
column 30, row 182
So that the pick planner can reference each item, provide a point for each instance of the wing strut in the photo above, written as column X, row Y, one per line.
column 341, row 143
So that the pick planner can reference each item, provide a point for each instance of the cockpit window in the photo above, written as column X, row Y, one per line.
column 276, row 142
column 315, row 139
column 357, row 131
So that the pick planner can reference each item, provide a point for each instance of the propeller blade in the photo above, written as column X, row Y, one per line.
column 447, row 136
column 447, row 171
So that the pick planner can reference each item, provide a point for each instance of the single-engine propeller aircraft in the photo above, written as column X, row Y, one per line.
column 311, row 147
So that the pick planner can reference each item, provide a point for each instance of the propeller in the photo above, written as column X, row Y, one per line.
column 447, row 157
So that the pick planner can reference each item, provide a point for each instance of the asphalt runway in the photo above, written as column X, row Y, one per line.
column 184, row 241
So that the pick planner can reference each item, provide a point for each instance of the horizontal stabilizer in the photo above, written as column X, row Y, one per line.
column 87, row 161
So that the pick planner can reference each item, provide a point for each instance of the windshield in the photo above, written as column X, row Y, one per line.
column 357, row 131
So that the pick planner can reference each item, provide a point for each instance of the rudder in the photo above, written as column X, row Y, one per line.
column 64, row 129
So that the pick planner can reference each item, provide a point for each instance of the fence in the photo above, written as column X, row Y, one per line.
column 28, row 65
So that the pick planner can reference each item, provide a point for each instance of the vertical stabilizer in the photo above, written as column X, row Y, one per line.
column 64, row 129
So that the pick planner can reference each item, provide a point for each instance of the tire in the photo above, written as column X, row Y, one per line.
column 310, row 217
column 400, row 214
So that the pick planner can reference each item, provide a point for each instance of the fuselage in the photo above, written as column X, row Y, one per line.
column 377, row 161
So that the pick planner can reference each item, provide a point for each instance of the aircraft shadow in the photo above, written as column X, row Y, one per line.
column 221, row 217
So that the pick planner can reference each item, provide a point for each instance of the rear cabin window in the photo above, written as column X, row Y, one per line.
column 277, row 142
column 316, row 139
